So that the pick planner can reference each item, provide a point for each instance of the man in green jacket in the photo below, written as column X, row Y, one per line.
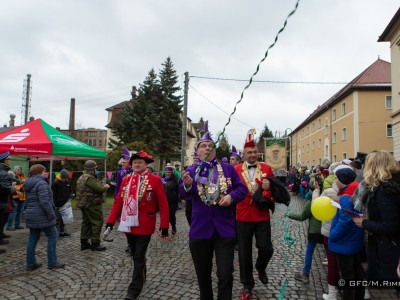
column 89, row 198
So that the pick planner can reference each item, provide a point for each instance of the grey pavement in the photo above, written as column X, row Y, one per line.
column 170, row 271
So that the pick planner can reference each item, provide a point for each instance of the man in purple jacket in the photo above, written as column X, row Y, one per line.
column 213, row 189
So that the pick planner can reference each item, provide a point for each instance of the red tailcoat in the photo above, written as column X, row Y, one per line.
column 247, row 210
column 153, row 197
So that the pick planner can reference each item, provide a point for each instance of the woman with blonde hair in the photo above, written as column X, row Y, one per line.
column 381, row 215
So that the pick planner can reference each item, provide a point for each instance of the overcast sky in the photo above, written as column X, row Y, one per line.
column 95, row 51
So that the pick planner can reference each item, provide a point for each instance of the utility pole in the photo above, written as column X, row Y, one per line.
column 184, row 121
column 26, row 100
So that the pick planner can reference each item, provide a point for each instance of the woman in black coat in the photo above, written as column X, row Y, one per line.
column 381, row 209
column 171, row 185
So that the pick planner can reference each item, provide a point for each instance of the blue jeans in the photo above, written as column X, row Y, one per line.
column 309, row 254
column 34, row 236
column 17, row 212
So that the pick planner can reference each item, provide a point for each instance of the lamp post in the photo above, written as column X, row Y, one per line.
column 290, row 145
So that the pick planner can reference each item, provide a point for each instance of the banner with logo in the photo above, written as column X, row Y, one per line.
column 275, row 153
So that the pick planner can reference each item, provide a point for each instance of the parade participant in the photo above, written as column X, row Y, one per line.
column 177, row 172
column 19, row 201
column 89, row 198
column 40, row 217
column 171, row 184
column 6, row 191
column 62, row 192
column 124, row 168
column 253, row 220
column 212, row 188
column 136, row 204
column 235, row 158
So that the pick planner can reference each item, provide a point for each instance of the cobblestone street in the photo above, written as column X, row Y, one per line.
column 170, row 271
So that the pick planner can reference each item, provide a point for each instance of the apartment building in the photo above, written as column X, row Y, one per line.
column 356, row 118
column 392, row 34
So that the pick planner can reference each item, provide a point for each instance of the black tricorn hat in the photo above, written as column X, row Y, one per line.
column 142, row 155
column 361, row 157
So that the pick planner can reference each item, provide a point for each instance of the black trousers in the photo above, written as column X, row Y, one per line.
column 172, row 214
column 138, row 245
column 188, row 211
column 262, row 232
column 3, row 220
column 202, row 254
column 351, row 269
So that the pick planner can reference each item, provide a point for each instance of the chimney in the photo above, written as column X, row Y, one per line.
column 12, row 120
column 133, row 93
column 72, row 115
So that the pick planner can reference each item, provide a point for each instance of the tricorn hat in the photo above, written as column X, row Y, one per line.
column 249, row 143
column 142, row 155
column 207, row 135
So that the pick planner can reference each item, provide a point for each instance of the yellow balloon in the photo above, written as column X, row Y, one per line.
column 322, row 209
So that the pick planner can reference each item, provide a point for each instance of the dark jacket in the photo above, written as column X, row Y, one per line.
column 171, row 186
column 6, row 188
column 62, row 192
column 384, row 210
column 40, row 210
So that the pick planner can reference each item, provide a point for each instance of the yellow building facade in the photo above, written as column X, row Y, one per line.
column 357, row 118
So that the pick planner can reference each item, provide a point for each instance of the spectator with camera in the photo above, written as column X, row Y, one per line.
column 18, row 200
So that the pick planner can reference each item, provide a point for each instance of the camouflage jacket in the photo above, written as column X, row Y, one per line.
column 89, row 191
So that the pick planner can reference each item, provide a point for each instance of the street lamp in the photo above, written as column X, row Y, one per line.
column 290, row 145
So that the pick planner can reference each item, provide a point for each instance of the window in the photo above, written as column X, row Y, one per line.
column 326, row 129
column 100, row 143
column 313, row 162
column 308, row 147
column 344, row 134
column 86, row 133
column 302, row 149
column 343, row 108
column 95, row 133
column 105, row 142
column 94, row 142
column 388, row 102
column 319, row 143
column 334, row 137
column 313, row 127
column 335, row 158
column 90, row 142
column 320, row 161
column 389, row 132
column 319, row 123
column 86, row 141
column 326, row 150
column 344, row 156
column 334, row 115
column 313, row 146
column 308, row 130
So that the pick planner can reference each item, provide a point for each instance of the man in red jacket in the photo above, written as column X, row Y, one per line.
column 252, row 220
column 136, row 203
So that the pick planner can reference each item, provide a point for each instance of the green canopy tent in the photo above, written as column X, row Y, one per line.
column 41, row 142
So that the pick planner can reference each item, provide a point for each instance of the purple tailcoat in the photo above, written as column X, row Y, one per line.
column 206, row 219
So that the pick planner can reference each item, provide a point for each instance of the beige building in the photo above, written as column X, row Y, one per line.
column 356, row 118
column 94, row 137
column 392, row 34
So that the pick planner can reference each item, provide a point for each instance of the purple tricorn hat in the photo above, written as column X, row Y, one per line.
column 224, row 159
column 207, row 135
column 234, row 153
column 126, row 155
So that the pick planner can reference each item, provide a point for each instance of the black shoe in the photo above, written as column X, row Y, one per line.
column 64, row 234
column 246, row 294
column 263, row 277
column 2, row 251
column 34, row 267
column 6, row 236
column 58, row 265
column 129, row 296
column 98, row 247
column 85, row 245
column 4, row 242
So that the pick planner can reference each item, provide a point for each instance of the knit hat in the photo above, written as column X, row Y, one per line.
column 340, row 167
column 325, row 172
column 169, row 168
column 346, row 175
column 346, row 161
column 4, row 155
column 151, row 167
column 64, row 174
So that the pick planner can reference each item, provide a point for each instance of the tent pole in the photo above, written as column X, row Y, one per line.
column 51, row 171
column 105, row 169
